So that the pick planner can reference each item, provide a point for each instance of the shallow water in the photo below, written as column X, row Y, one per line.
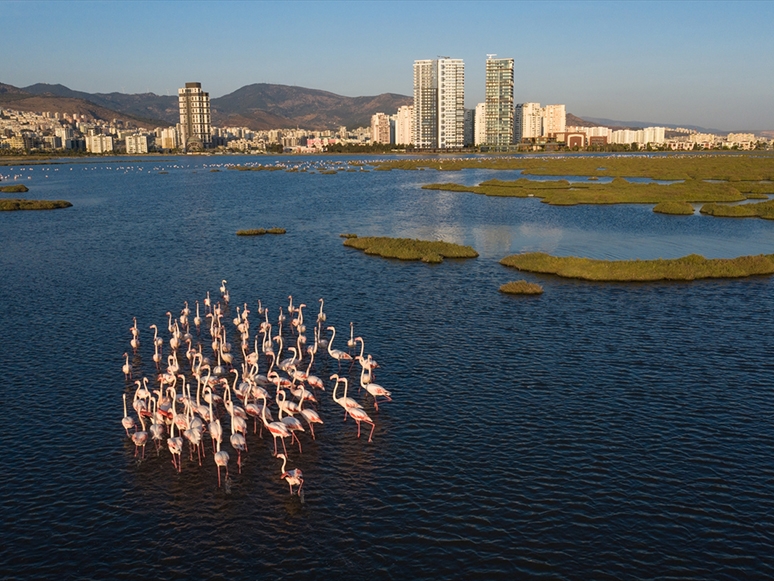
column 597, row 431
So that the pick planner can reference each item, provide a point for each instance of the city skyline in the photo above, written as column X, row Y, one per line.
column 667, row 63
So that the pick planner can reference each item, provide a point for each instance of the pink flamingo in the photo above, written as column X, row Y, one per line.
column 293, row 477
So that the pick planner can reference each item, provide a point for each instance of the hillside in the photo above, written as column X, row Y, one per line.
column 258, row 106
column 22, row 100
column 265, row 104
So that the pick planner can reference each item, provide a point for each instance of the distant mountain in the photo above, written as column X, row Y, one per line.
column 267, row 106
column 23, row 100
column 258, row 106
column 142, row 105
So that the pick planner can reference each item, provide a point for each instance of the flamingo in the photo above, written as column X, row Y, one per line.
column 276, row 429
column 351, row 342
column 127, row 421
column 373, row 388
column 197, row 319
column 158, row 341
column 313, row 380
column 157, row 427
column 221, row 459
column 337, row 354
column 293, row 477
column 126, row 368
column 359, row 415
column 140, row 438
column 346, row 402
column 216, row 430
column 238, row 442
column 321, row 316
column 292, row 423
column 175, row 445
column 311, row 416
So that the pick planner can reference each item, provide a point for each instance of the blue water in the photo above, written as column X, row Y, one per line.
column 599, row 431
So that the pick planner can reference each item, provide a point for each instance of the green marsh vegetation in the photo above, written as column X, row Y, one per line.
column 521, row 287
column 749, row 167
column 430, row 251
column 260, row 231
column 757, row 210
column 619, row 191
column 674, row 208
column 17, row 204
column 686, row 268
column 14, row 189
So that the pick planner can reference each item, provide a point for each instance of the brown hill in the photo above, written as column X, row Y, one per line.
column 574, row 121
column 17, row 99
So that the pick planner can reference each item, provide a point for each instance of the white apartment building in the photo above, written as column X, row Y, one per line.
column 195, row 119
column 404, row 125
column 380, row 128
column 554, row 120
column 528, row 122
column 499, row 101
column 99, row 144
column 439, row 103
column 654, row 135
column 479, row 125
column 169, row 138
column 137, row 143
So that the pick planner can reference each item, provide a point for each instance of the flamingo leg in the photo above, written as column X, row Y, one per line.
column 311, row 428
column 373, row 426
column 218, row 476
column 283, row 447
column 239, row 460
column 358, row 429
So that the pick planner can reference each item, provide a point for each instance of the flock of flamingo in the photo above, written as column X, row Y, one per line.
column 230, row 389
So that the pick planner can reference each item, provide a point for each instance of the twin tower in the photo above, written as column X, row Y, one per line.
column 439, row 103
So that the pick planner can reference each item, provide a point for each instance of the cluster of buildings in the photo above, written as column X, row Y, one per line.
column 437, row 120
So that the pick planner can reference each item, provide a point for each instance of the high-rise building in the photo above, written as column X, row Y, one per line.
column 403, row 125
column 195, row 120
column 479, row 125
column 554, row 120
column 528, row 122
column 439, row 103
column 470, row 124
column 99, row 144
column 380, row 128
column 499, row 101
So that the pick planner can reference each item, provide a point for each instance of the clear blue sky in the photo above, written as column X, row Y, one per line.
column 701, row 63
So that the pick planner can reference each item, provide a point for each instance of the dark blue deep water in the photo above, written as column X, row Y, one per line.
column 599, row 431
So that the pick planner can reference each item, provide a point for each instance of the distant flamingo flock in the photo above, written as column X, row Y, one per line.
column 230, row 390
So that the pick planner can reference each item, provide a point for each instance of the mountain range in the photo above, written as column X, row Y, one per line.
column 257, row 106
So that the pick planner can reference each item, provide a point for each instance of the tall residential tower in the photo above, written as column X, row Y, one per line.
column 499, row 101
column 439, row 103
column 195, row 120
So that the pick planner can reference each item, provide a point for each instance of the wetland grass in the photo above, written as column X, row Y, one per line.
column 763, row 210
column 260, row 231
column 521, row 287
column 18, row 204
column 619, row 191
column 750, row 167
column 674, row 208
column 686, row 268
column 429, row 251
column 14, row 189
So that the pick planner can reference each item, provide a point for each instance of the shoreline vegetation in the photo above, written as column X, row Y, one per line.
column 521, row 287
column 674, row 208
column 429, row 251
column 619, row 191
column 14, row 189
column 14, row 205
column 686, row 268
column 732, row 167
column 260, row 231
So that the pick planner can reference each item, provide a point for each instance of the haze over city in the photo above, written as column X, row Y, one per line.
column 692, row 63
